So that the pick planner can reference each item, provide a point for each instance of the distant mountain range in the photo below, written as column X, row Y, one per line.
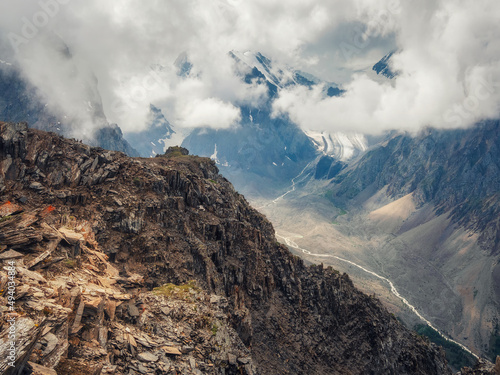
column 269, row 149
column 431, row 200
column 266, row 149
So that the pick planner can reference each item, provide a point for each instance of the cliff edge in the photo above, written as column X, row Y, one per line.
column 158, row 266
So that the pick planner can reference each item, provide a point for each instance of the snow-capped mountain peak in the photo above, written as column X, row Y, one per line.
column 281, row 76
column 273, row 73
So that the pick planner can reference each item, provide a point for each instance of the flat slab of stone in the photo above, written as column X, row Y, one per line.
column 172, row 350
column 11, row 254
column 9, row 208
column 147, row 357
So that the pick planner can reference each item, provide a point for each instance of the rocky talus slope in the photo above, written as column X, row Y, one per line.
column 482, row 368
column 157, row 266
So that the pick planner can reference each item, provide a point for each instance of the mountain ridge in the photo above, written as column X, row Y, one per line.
column 174, row 219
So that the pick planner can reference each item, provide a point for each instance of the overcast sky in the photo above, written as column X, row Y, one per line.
column 447, row 59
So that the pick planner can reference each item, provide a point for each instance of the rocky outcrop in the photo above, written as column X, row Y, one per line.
column 383, row 67
column 160, row 223
column 74, row 312
column 482, row 368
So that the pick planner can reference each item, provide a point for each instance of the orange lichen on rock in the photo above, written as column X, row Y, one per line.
column 9, row 208
column 47, row 211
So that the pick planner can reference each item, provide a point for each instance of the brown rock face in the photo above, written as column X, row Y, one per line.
column 483, row 368
column 172, row 220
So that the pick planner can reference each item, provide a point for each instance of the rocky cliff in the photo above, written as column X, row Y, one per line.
column 129, row 265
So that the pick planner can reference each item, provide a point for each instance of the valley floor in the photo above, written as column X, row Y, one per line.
column 394, row 263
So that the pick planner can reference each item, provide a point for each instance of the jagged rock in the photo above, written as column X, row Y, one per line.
column 214, row 298
column 171, row 350
column 37, row 186
column 482, row 367
column 78, row 317
column 40, row 370
column 27, row 334
column 51, row 342
column 274, row 314
column 142, row 369
column 175, row 150
column 71, row 236
column 133, row 311
column 244, row 361
column 31, row 275
column 192, row 363
column 50, row 249
column 9, row 208
column 231, row 358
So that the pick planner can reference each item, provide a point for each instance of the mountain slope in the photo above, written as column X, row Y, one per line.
column 429, row 205
column 156, row 137
column 458, row 171
column 177, row 219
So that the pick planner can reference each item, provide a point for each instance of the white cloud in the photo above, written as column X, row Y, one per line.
column 210, row 112
column 449, row 75
column 448, row 59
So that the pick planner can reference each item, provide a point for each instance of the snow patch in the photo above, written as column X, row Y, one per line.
column 216, row 159
column 173, row 139
column 214, row 155
column 342, row 146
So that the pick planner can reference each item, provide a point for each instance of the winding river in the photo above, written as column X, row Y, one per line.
column 393, row 289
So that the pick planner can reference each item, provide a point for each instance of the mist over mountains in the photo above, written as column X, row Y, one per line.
column 367, row 133
column 445, row 79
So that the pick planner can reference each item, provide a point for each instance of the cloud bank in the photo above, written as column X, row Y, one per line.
column 448, row 72
column 83, row 53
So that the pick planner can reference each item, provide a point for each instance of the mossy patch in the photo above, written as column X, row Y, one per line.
column 5, row 218
column 215, row 328
column 184, row 291
column 70, row 263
